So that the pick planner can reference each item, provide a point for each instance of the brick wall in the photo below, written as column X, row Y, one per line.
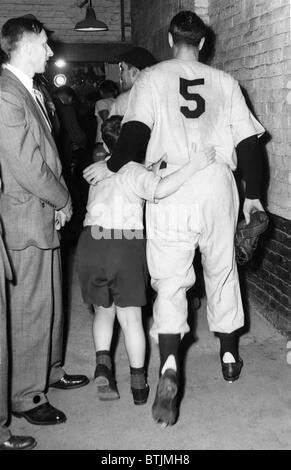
column 61, row 17
column 253, row 44
column 268, row 278
column 151, row 18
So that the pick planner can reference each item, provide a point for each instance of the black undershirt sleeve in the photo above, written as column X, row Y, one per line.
column 133, row 141
column 250, row 164
column 131, row 145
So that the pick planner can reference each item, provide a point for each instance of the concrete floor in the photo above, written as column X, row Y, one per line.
column 252, row 413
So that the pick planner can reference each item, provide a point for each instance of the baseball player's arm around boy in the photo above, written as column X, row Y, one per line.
column 172, row 104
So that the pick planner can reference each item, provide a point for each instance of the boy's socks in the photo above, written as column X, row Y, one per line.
column 103, row 366
column 103, row 357
column 139, row 386
column 103, row 377
column 137, row 377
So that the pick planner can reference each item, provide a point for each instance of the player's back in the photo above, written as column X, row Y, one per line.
column 189, row 103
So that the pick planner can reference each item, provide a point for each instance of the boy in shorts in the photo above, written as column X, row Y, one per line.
column 111, row 259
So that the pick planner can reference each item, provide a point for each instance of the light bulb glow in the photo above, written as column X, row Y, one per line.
column 60, row 63
column 60, row 80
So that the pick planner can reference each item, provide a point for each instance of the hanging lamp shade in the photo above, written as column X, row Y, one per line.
column 90, row 23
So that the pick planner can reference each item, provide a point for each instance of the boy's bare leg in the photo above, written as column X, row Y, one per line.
column 103, row 327
column 130, row 320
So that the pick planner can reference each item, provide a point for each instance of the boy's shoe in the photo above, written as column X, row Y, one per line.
column 165, row 409
column 106, row 385
column 140, row 395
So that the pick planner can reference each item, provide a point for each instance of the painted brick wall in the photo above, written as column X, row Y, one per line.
column 61, row 17
column 269, row 275
column 254, row 45
column 151, row 18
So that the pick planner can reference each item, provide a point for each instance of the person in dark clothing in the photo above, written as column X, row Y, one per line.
column 73, row 148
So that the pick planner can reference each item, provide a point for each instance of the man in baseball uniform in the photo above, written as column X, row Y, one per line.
column 174, row 106
column 130, row 64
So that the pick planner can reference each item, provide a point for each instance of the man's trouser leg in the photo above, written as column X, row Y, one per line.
column 4, row 432
column 31, row 307
column 170, row 262
column 56, row 371
column 170, row 253
column 210, row 203
column 219, row 213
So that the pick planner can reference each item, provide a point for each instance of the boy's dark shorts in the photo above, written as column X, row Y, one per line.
column 112, row 270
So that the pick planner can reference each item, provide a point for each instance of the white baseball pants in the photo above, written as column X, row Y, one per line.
column 203, row 212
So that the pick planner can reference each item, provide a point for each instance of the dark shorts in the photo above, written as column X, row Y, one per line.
column 112, row 270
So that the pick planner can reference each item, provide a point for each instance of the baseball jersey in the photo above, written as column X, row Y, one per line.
column 119, row 106
column 186, row 104
column 117, row 202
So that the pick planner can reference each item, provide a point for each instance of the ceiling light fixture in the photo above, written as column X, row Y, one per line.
column 90, row 23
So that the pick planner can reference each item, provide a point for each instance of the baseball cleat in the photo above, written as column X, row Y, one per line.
column 231, row 370
column 164, row 409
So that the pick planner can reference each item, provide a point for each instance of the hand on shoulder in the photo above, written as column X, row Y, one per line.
column 96, row 172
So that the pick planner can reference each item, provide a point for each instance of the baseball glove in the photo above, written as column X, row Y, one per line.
column 247, row 236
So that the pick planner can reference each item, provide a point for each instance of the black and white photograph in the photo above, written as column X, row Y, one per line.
column 145, row 228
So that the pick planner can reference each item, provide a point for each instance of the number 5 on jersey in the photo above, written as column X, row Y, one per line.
column 200, row 102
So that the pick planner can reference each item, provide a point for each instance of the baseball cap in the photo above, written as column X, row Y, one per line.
column 138, row 57
column 30, row 16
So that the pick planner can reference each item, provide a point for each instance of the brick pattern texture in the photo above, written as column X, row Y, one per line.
column 61, row 17
column 269, row 275
column 254, row 45
column 151, row 20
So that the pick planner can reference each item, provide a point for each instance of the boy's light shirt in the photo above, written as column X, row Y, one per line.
column 117, row 202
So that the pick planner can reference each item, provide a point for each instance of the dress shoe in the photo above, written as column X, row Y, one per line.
column 165, row 409
column 18, row 443
column 44, row 414
column 71, row 381
column 231, row 370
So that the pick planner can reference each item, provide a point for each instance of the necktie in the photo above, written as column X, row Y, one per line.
column 40, row 101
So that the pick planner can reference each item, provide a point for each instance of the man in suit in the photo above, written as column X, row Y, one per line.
column 7, row 441
column 34, row 196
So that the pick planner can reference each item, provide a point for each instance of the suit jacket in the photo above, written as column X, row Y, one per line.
column 32, row 184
